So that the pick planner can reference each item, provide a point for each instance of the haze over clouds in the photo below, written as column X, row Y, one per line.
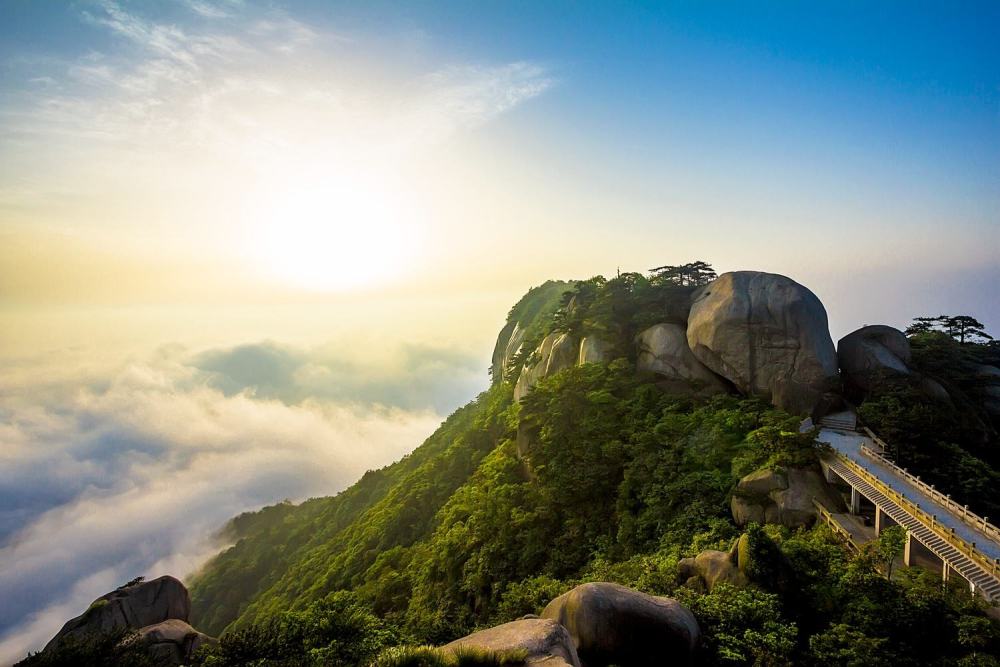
column 132, row 471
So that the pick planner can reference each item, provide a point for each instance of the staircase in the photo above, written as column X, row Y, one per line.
column 984, row 581
column 840, row 421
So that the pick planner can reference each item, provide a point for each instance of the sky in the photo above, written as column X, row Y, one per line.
column 278, row 238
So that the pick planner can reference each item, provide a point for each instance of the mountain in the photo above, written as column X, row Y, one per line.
column 628, row 426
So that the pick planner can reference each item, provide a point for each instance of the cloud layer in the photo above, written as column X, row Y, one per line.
column 109, row 474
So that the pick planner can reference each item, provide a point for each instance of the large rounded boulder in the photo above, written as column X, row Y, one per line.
column 663, row 350
column 172, row 642
column 614, row 625
column 766, row 334
column 133, row 606
column 546, row 643
column 873, row 353
column 782, row 497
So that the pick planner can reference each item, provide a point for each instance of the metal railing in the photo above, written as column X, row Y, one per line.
column 967, row 549
column 961, row 512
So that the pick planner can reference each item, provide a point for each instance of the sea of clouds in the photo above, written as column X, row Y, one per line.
column 114, row 470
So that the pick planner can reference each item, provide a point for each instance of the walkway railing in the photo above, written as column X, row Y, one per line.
column 930, row 520
column 961, row 512
column 877, row 440
column 835, row 525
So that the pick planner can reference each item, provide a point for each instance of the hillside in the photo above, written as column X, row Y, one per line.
column 601, row 472
column 625, row 420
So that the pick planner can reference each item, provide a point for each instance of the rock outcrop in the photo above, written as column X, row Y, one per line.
column 547, row 643
column 135, row 606
column 614, row 625
column 711, row 567
column 766, row 334
column 873, row 353
column 593, row 350
column 557, row 351
column 158, row 610
column 173, row 641
column 508, row 344
column 782, row 497
column 663, row 349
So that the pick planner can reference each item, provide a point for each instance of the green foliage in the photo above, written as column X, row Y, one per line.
column 742, row 626
column 693, row 273
column 889, row 546
column 337, row 632
column 118, row 648
column 598, row 475
column 961, row 328
column 466, row 656
column 844, row 646
column 528, row 596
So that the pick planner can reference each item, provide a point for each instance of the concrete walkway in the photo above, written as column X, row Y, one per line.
column 849, row 444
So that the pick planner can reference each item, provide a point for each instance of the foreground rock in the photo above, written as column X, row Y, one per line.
column 136, row 606
column 158, row 610
column 710, row 568
column 782, row 497
column 173, row 641
column 615, row 625
column 663, row 349
column 766, row 334
column 547, row 642
column 872, row 354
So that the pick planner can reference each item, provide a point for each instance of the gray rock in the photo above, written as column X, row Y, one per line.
column 137, row 606
column 547, row 643
column 593, row 350
column 984, row 372
column 933, row 389
column 663, row 349
column 173, row 641
column 508, row 344
column 612, row 624
column 712, row 567
column 873, row 353
column 786, row 498
column 766, row 334
column 556, row 352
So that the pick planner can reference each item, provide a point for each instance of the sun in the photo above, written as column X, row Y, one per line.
column 331, row 236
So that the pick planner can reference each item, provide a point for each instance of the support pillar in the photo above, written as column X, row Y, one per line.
column 879, row 520
column 906, row 549
column 945, row 571
column 855, row 501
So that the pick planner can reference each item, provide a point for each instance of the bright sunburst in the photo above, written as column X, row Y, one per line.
column 329, row 237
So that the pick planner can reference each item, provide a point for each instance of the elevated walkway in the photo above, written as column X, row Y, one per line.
column 966, row 544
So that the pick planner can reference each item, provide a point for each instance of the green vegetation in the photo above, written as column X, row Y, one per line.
column 953, row 444
column 598, row 475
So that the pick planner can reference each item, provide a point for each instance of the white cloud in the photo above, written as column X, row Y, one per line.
column 107, row 476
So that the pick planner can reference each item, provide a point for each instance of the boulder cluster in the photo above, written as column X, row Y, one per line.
column 156, row 610
column 757, row 333
column 594, row 625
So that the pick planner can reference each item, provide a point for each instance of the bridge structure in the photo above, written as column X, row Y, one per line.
column 939, row 531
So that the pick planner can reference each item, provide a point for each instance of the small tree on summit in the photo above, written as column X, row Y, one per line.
column 690, row 274
column 963, row 328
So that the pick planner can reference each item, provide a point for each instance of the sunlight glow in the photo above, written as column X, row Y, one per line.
column 332, row 237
